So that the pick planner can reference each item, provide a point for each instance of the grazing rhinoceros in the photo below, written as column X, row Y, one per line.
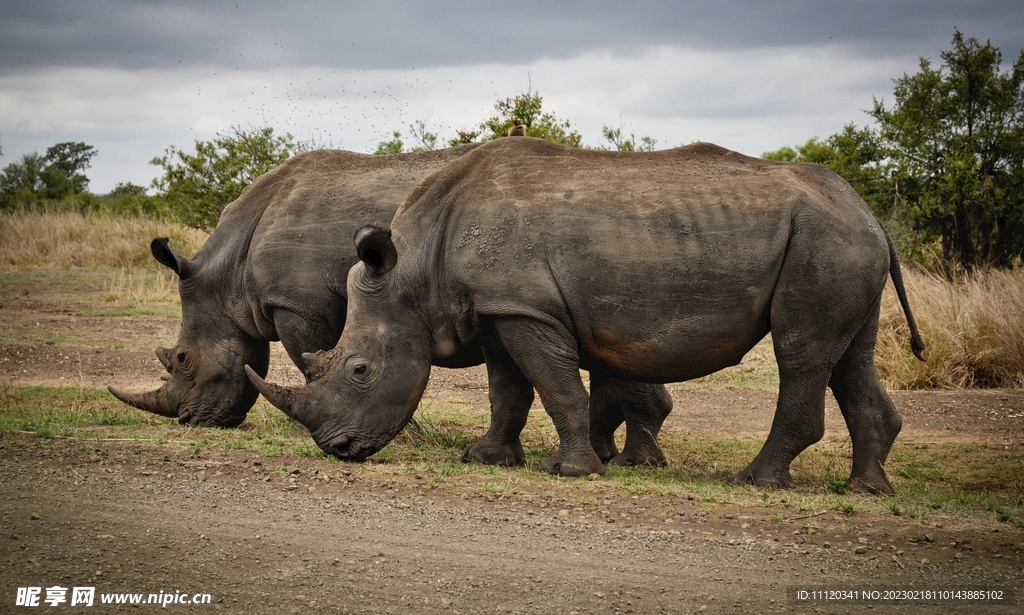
column 273, row 270
column 270, row 271
column 659, row 267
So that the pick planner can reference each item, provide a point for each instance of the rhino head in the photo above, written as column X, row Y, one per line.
column 365, row 390
column 207, row 384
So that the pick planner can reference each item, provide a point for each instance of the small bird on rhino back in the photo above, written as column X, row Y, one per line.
column 517, row 129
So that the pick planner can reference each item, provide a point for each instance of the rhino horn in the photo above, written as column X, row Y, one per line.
column 280, row 397
column 164, row 355
column 314, row 364
column 153, row 401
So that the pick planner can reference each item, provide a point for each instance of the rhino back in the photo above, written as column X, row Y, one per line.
column 639, row 256
column 301, row 247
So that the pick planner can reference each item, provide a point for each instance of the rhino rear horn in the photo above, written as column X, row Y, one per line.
column 314, row 364
column 164, row 355
column 280, row 397
column 375, row 249
column 153, row 401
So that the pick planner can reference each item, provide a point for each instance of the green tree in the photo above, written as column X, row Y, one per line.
column 21, row 182
column 529, row 109
column 198, row 185
column 425, row 141
column 858, row 157
column 623, row 144
column 64, row 174
column 131, row 199
column 463, row 137
column 955, row 136
column 393, row 146
column 52, row 177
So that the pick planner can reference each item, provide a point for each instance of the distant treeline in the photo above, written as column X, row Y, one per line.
column 943, row 168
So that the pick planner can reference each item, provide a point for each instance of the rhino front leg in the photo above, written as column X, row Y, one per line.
column 511, row 396
column 550, row 362
column 606, row 416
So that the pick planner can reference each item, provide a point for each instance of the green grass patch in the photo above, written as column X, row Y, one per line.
column 933, row 481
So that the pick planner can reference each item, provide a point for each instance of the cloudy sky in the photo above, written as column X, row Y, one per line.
column 133, row 78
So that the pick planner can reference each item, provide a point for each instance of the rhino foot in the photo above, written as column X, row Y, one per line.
column 495, row 454
column 605, row 448
column 778, row 479
column 878, row 485
column 651, row 459
column 580, row 464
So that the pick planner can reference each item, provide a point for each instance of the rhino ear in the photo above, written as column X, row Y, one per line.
column 168, row 257
column 375, row 249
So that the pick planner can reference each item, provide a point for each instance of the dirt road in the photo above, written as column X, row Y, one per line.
column 298, row 535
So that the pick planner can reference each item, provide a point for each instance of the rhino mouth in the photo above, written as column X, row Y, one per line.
column 350, row 448
column 230, row 420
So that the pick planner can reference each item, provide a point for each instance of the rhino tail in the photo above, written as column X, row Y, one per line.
column 916, row 343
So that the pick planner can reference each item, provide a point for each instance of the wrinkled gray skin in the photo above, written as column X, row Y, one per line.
column 659, row 267
column 272, row 270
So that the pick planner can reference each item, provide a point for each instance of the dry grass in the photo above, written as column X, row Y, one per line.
column 135, row 287
column 973, row 328
column 73, row 240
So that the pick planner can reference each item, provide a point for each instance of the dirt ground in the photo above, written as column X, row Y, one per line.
column 281, row 536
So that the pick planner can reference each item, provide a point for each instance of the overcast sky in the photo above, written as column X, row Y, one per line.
column 133, row 78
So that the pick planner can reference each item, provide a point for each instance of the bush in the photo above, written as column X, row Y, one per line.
column 63, row 239
column 973, row 327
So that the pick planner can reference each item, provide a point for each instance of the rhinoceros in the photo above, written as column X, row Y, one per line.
column 272, row 270
column 659, row 267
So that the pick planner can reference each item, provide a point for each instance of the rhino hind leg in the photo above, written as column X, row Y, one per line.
column 799, row 422
column 813, row 318
column 511, row 396
column 871, row 417
column 642, row 406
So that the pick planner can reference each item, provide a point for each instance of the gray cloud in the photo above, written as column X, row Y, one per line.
column 133, row 78
column 396, row 34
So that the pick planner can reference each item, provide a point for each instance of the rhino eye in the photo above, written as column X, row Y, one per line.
column 181, row 357
column 359, row 370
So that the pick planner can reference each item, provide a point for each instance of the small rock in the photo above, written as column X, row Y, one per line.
column 34, row 517
column 861, row 550
column 593, row 476
column 929, row 537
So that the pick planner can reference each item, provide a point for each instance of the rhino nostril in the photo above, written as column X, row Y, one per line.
column 339, row 448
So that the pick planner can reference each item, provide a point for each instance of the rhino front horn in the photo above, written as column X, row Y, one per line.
column 280, row 397
column 153, row 401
